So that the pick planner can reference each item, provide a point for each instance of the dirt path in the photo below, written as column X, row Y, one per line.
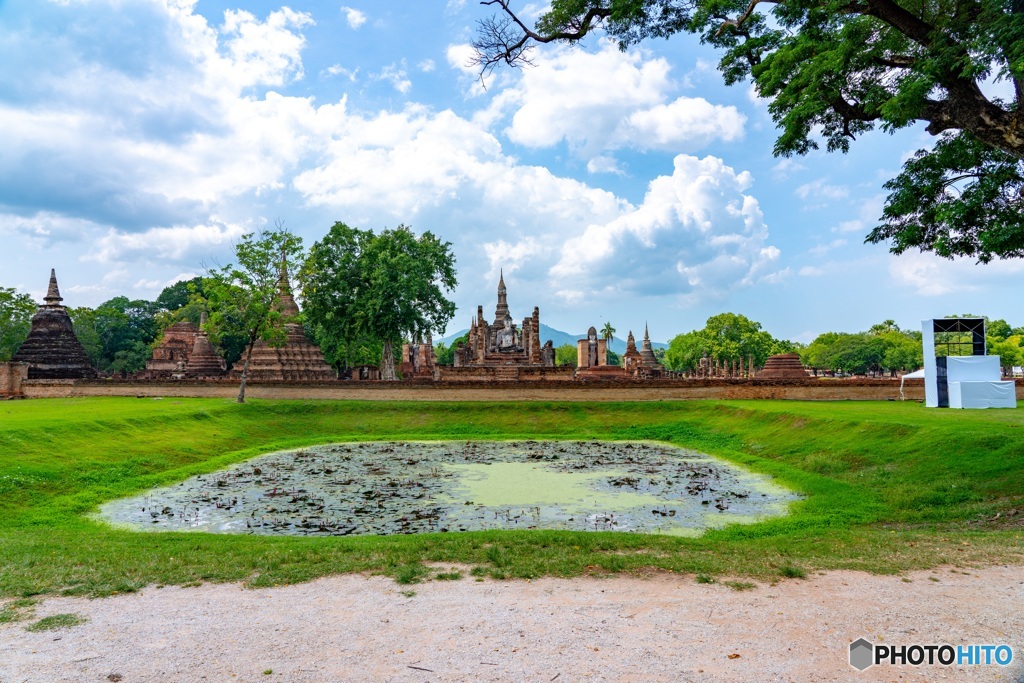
column 665, row 628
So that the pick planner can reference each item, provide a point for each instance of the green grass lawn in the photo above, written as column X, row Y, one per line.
column 888, row 487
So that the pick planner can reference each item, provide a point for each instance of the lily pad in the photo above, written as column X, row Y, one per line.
column 445, row 486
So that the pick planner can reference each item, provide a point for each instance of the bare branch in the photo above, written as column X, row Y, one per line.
column 507, row 39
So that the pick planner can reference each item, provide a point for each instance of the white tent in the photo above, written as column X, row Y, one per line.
column 910, row 375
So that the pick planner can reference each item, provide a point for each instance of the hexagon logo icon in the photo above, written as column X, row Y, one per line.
column 861, row 654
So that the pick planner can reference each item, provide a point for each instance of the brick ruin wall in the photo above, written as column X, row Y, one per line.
column 527, row 390
column 11, row 377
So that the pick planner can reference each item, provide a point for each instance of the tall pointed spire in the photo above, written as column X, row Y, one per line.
column 53, row 297
column 647, row 352
column 501, row 311
column 286, row 301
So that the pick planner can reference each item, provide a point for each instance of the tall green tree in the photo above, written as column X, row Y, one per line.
column 608, row 333
column 725, row 337
column 84, row 320
column 16, row 311
column 834, row 70
column 125, row 328
column 180, row 294
column 243, row 298
column 384, row 287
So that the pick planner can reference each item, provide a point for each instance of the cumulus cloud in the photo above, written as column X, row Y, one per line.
column 604, row 164
column 696, row 231
column 181, row 244
column 396, row 75
column 354, row 17
column 929, row 275
column 176, row 133
column 611, row 99
column 195, row 127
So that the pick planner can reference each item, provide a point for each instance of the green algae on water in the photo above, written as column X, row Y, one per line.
column 446, row 486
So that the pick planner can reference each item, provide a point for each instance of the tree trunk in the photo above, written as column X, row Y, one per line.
column 387, row 362
column 245, row 371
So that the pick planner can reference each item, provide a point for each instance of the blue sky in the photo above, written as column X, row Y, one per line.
column 141, row 138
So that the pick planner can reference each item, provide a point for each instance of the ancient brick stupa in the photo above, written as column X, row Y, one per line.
column 203, row 360
column 631, row 359
column 171, row 354
column 648, row 361
column 783, row 366
column 52, row 350
column 298, row 360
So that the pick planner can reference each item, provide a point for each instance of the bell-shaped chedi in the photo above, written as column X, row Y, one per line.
column 203, row 360
column 298, row 360
column 783, row 366
column 647, row 358
column 52, row 350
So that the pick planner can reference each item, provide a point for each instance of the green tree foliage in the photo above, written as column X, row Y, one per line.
column 446, row 354
column 725, row 337
column 565, row 355
column 962, row 198
column 608, row 333
column 126, row 328
column 614, row 358
column 118, row 334
column 883, row 348
column 1000, row 329
column 382, row 288
column 837, row 70
column 180, row 294
column 16, row 311
column 243, row 298
column 1009, row 351
column 84, row 320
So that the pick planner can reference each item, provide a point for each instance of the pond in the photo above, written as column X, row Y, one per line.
column 451, row 486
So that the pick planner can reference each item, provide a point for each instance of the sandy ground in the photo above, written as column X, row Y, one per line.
column 663, row 628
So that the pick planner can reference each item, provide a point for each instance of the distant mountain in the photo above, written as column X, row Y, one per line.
column 559, row 338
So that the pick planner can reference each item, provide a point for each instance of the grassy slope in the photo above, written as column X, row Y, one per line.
column 889, row 486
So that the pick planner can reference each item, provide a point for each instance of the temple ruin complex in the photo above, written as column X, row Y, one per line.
column 297, row 360
column 500, row 350
column 502, row 343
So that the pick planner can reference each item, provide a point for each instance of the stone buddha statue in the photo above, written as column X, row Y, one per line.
column 507, row 337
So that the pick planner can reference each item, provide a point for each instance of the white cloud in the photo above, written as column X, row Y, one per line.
column 610, row 99
column 397, row 76
column 785, row 168
column 410, row 162
column 695, row 232
column 182, row 244
column 811, row 271
column 819, row 189
column 354, row 17
column 339, row 70
column 267, row 52
column 426, row 66
column 867, row 217
column 929, row 275
column 604, row 164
